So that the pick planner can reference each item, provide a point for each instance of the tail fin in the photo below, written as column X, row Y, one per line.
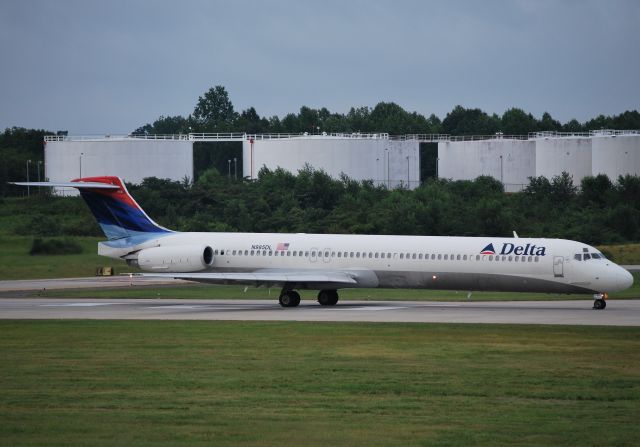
column 117, row 213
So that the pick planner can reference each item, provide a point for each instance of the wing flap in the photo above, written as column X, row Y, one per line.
column 339, row 279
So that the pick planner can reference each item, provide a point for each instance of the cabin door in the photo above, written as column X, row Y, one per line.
column 558, row 266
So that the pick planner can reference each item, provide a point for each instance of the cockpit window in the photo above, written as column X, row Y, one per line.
column 587, row 256
column 596, row 256
column 577, row 257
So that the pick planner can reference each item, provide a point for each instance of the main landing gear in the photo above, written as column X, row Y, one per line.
column 291, row 298
column 600, row 302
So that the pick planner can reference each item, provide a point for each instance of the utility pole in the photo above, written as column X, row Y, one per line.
column 408, row 187
column 28, row 188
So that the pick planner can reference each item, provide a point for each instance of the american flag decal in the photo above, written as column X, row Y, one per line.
column 282, row 246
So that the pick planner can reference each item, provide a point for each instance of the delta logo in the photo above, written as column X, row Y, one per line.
column 521, row 250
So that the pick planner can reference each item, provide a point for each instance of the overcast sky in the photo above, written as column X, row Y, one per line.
column 94, row 67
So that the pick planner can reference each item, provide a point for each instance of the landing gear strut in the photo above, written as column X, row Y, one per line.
column 328, row 297
column 289, row 298
column 600, row 302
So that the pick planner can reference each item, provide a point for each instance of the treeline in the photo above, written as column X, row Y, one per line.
column 596, row 212
column 214, row 112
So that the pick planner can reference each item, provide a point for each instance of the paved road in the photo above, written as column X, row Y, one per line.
column 617, row 313
column 81, row 283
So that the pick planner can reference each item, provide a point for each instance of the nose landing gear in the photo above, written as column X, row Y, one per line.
column 600, row 302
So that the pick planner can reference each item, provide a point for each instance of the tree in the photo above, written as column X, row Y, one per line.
column 548, row 124
column 214, row 111
column 461, row 121
column 517, row 122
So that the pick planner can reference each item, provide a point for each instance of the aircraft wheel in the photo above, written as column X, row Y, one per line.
column 328, row 297
column 599, row 304
column 289, row 298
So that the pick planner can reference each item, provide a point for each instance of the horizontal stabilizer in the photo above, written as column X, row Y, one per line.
column 79, row 185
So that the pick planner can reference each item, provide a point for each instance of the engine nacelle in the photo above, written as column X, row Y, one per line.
column 175, row 259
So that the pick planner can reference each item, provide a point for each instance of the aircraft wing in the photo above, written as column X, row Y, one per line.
column 325, row 279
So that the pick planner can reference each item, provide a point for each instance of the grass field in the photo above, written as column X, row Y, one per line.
column 197, row 291
column 105, row 383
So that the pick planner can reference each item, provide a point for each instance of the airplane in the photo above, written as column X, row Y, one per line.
column 329, row 262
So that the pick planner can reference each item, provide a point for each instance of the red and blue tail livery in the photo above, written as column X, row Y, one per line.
column 116, row 211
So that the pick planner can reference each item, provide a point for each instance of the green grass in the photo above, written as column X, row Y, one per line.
column 104, row 383
column 16, row 263
column 197, row 291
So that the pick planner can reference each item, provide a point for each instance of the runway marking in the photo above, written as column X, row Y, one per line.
column 372, row 308
column 79, row 304
column 181, row 306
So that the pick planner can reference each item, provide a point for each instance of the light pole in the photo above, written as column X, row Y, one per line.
column 80, row 158
column 501, row 172
column 235, row 168
column 408, row 187
column 229, row 171
column 377, row 169
column 437, row 167
column 39, row 164
column 388, row 170
column 28, row 188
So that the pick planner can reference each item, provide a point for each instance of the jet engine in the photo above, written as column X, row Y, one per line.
column 174, row 259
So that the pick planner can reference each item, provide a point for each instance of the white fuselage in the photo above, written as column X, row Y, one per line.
column 455, row 263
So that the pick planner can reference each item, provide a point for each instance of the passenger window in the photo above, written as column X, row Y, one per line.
column 339, row 254
column 288, row 253
column 306, row 254
column 420, row 256
column 530, row 258
column 233, row 252
column 264, row 252
column 246, row 252
column 401, row 255
column 464, row 258
column 252, row 252
column 370, row 255
column 326, row 254
column 439, row 257
column 270, row 253
column 458, row 257
column 477, row 257
column 351, row 255
column 376, row 255
column 333, row 254
column 446, row 257
column 295, row 253
column 536, row 259
column 490, row 257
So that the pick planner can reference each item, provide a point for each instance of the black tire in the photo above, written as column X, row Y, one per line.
column 290, row 298
column 599, row 304
column 327, row 297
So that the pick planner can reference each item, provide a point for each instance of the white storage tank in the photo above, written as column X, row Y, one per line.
column 511, row 161
column 132, row 159
column 370, row 157
column 565, row 154
column 616, row 155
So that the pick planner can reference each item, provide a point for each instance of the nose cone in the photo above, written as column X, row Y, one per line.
column 625, row 279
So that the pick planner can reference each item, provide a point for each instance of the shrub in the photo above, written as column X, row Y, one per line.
column 54, row 247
